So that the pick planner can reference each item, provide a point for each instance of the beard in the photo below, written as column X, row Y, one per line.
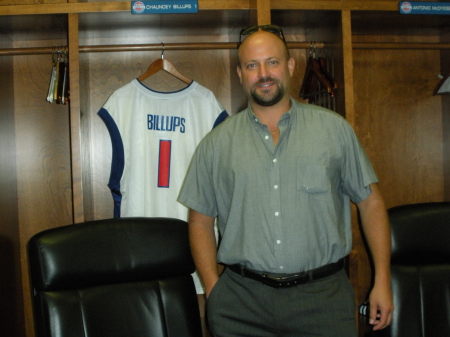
column 268, row 100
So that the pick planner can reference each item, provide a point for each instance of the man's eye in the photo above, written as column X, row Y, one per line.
column 251, row 65
column 273, row 62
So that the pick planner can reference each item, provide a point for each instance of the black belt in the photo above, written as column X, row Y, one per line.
column 288, row 280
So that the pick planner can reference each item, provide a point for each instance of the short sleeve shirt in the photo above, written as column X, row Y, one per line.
column 284, row 207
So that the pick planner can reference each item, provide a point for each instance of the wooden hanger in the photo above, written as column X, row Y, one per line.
column 315, row 74
column 163, row 64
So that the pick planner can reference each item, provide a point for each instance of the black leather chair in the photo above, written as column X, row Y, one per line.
column 126, row 277
column 420, row 270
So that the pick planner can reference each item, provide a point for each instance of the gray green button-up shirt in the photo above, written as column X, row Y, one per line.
column 285, row 207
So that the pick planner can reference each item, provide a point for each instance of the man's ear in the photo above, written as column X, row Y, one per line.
column 239, row 72
column 291, row 66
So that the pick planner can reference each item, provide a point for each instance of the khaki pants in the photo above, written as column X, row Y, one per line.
column 242, row 307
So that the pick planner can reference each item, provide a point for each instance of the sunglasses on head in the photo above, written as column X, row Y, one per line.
column 274, row 29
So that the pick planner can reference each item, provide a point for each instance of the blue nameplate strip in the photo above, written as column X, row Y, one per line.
column 415, row 7
column 164, row 7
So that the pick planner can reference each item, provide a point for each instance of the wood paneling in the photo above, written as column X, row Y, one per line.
column 11, row 313
column 38, row 136
column 396, row 116
column 75, row 121
column 57, row 6
column 320, row 31
column 43, row 158
column 263, row 17
column 60, row 7
column 399, row 122
column 359, row 270
column 29, row 2
column 445, row 71
column 347, row 44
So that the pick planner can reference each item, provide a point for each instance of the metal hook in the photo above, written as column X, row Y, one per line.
column 314, row 49
column 311, row 49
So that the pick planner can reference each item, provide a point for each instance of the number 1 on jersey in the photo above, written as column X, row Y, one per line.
column 165, row 149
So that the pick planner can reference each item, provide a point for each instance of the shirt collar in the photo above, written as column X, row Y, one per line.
column 286, row 116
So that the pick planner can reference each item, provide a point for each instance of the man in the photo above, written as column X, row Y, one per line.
column 278, row 177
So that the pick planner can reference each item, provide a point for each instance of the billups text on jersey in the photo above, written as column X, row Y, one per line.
column 166, row 123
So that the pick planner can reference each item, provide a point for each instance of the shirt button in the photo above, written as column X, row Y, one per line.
column 281, row 267
column 275, row 187
column 266, row 137
column 278, row 242
column 277, row 213
column 274, row 160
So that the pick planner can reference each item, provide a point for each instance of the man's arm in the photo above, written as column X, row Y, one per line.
column 204, row 248
column 376, row 228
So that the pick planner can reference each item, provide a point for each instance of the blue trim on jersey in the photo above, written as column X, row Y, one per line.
column 223, row 115
column 118, row 159
column 164, row 92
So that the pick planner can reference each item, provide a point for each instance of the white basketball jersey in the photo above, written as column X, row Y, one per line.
column 154, row 136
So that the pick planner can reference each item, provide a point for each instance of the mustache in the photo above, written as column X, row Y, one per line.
column 263, row 80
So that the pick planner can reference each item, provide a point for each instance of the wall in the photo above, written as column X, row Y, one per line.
column 36, row 169
column 398, row 119
column 445, row 70
column 10, row 293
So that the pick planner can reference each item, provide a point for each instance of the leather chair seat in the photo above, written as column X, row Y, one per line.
column 127, row 277
column 420, row 270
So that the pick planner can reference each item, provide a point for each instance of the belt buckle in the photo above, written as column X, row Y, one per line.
column 285, row 281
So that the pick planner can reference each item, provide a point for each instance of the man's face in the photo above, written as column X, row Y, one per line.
column 265, row 69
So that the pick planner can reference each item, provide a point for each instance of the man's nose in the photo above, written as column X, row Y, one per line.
column 262, row 71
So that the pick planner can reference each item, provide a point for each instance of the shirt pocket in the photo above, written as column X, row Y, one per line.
column 312, row 178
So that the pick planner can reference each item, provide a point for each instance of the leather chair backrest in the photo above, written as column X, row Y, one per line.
column 127, row 277
column 421, row 270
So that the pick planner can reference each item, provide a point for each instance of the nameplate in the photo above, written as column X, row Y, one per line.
column 164, row 6
column 415, row 7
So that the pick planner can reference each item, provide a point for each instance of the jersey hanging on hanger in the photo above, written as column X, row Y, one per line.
column 153, row 137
